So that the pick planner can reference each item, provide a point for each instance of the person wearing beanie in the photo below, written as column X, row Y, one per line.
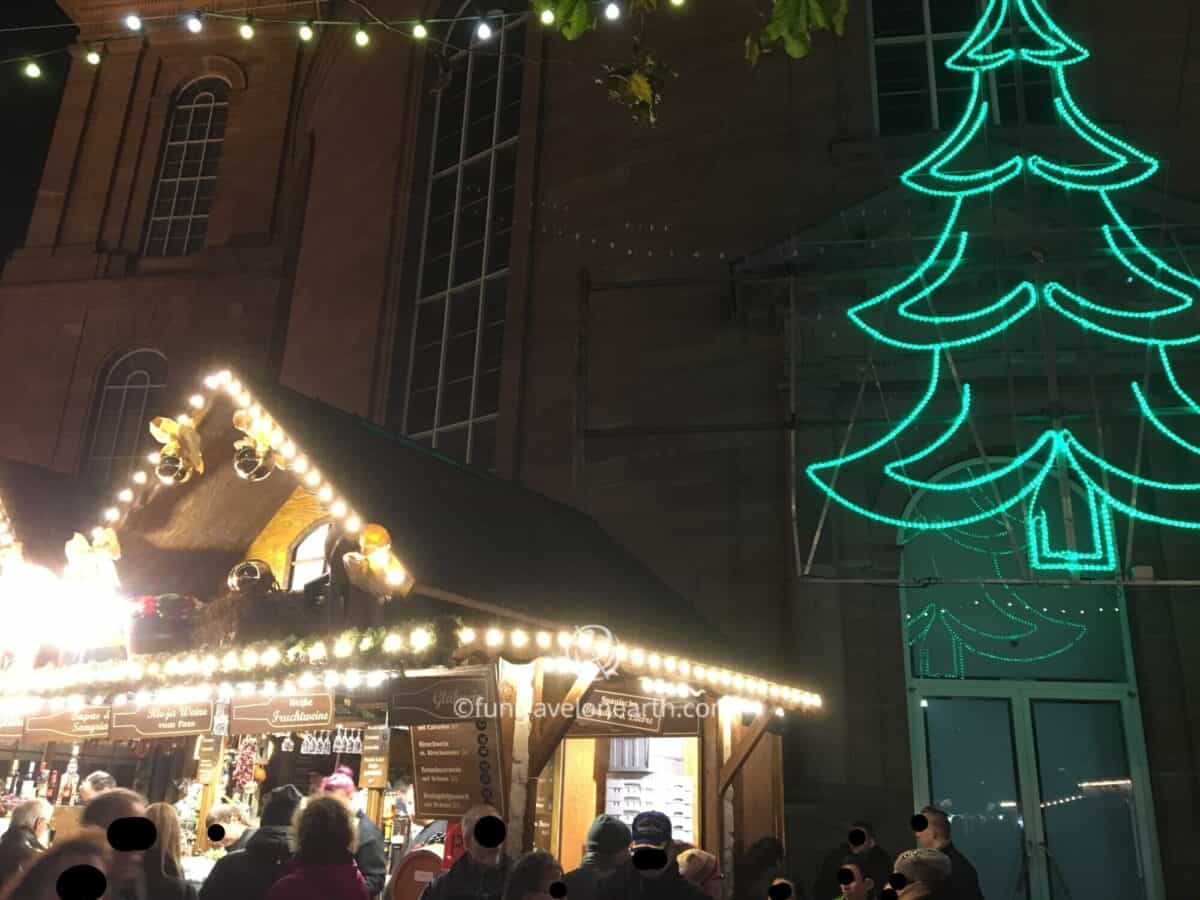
column 248, row 874
column 926, row 875
column 702, row 869
column 653, row 874
column 606, row 850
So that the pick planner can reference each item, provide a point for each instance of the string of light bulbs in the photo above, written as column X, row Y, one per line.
column 418, row 29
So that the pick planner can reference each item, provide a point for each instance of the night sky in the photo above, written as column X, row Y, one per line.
column 27, row 108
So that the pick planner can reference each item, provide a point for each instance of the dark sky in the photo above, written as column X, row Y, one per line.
column 27, row 109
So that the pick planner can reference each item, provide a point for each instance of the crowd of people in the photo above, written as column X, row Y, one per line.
column 319, row 848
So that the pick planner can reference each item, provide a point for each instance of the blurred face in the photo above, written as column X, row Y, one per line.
column 41, row 830
column 80, row 857
column 788, row 883
column 927, row 839
column 644, row 854
column 314, row 782
column 488, row 857
column 549, row 876
column 126, row 866
column 859, row 888
column 87, row 792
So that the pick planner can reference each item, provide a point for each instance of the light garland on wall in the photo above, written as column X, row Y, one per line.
column 903, row 317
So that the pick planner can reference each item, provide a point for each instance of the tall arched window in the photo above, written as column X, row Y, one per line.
column 453, row 384
column 131, row 393
column 187, row 176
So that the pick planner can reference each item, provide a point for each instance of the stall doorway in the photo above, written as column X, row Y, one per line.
column 1049, row 797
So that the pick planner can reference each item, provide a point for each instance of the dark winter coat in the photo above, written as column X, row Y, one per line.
column 337, row 881
column 371, row 855
column 248, row 874
column 168, row 888
column 964, row 880
column 628, row 883
column 468, row 881
column 18, row 847
column 582, row 882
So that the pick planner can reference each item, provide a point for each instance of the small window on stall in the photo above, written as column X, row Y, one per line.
column 308, row 558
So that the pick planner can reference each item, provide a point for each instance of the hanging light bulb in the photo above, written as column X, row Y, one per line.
column 420, row 32
column 133, row 22
column 93, row 58
column 547, row 16
column 306, row 32
column 612, row 11
column 194, row 23
column 484, row 31
column 247, row 29
column 32, row 70
column 361, row 37
column 677, row 2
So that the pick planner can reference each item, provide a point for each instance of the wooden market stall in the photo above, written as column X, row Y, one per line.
column 308, row 591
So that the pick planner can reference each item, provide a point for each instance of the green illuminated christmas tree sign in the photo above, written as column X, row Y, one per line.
column 931, row 313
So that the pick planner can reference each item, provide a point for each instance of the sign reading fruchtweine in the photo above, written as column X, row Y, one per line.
column 281, row 713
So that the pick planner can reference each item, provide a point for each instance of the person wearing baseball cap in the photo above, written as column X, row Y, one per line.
column 654, row 875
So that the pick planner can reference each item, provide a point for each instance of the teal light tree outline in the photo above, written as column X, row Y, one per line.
column 905, row 317
column 991, row 622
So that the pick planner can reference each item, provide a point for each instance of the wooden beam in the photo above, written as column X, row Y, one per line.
column 711, row 811
column 741, row 751
column 547, row 732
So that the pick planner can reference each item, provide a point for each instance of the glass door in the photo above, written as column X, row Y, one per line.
column 1048, row 796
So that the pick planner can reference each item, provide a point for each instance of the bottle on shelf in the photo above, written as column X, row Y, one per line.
column 29, row 782
column 43, row 780
column 52, row 787
column 14, row 778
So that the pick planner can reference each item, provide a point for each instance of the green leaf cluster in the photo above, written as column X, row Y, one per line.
column 792, row 23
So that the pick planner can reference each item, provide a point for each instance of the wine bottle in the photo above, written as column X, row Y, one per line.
column 14, row 777
column 52, row 787
column 29, row 782
column 43, row 780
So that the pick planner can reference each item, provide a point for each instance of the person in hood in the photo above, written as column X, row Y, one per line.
column 606, row 850
column 323, row 867
column 654, row 874
column 369, row 851
column 482, row 870
column 248, row 874
column 27, row 837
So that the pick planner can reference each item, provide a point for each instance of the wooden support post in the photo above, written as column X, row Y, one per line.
column 374, row 810
column 741, row 751
column 711, row 757
column 546, row 732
